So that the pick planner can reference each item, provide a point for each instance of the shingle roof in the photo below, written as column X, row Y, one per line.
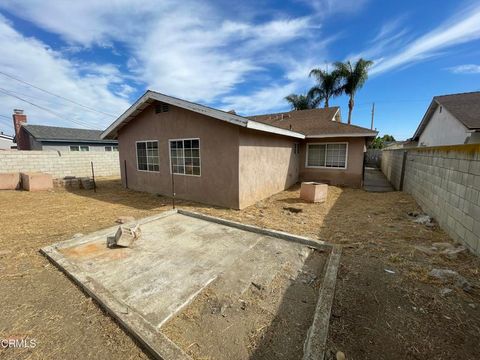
column 314, row 122
column 465, row 107
column 54, row 133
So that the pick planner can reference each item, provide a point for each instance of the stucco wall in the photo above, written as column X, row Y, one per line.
column 351, row 176
column 445, row 181
column 267, row 165
column 60, row 164
column 443, row 129
column 218, row 183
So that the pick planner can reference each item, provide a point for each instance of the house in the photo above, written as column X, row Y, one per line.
column 224, row 159
column 6, row 142
column 41, row 137
column 450, row 120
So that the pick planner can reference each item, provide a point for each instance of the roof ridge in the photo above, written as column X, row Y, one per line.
column 60, row 127
column 292, row 111
column 461, row 93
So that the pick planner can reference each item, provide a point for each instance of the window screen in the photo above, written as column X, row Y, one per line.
column 332, row 155
column 147, row 156
column 185, row 156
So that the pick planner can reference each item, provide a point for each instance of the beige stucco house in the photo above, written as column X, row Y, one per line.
column 450, row 120
column 224, row 159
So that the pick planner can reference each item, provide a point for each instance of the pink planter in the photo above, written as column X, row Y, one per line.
column 9, row 181
column 36, row 181
column 313, row 192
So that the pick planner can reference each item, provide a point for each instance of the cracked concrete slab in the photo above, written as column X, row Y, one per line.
column 177, row 257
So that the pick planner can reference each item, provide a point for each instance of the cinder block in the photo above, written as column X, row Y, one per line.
column 36, row 181
column 9, row 181
column 313, row 192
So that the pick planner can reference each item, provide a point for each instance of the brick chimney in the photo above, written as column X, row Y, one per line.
column 19, row 118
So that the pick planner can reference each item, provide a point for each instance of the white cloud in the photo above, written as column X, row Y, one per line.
column 35, row 62
column 187, row 49
column 466, row 69
column 461, row 28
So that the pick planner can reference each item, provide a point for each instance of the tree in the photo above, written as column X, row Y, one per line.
column 328, row 85
column 354, row 77
column 379, row 142
column 302, row 102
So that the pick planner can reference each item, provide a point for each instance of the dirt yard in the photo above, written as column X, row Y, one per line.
column 377, row 314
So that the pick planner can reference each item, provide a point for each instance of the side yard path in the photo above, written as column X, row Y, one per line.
column 377, row 314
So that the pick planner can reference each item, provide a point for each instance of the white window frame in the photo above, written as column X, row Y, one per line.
column 136, row 155
column 199, row 155
column 327, row 167
column 112, row 147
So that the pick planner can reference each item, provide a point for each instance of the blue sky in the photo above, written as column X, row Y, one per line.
column 244, row 55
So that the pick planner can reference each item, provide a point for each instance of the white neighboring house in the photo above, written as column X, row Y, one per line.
column 450, row 120
column 6, row 142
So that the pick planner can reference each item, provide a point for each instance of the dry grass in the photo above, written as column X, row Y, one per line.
column 375, row 314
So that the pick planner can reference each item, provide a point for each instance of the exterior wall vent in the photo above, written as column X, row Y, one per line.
column 161, row 108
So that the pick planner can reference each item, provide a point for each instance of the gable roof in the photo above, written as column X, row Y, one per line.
column 62, row 134
column 151, row 96
column 315, row 123
column 465, row 107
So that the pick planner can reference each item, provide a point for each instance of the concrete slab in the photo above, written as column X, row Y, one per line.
column 177, row 257
column 375, row 181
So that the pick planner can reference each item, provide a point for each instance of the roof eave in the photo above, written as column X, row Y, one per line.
column 426, row 117
column 373, row 134
column 112, row 131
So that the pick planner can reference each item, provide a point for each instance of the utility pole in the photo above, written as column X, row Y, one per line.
column 373, row 115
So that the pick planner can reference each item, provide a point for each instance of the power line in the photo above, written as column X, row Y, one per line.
column 6, row 117
column 56, row 95
column 90, row 124
column 6, row 92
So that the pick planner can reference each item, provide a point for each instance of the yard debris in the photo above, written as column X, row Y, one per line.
column 423, row 219
column 448, row 276
column 124, row 219
column 340, row 355
column 124, row 236
column 445, row 291
column 445, row 249
column 292, row 209
column 389, row 271
column 472, row 305
column 77, row 235
column 258, row 286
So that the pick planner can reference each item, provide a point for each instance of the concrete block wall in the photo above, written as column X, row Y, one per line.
column 391, row 165
column 445, row 181
column 446, row 184
column 60, row 164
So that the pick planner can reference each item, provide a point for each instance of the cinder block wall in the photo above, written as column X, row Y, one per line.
column 445, row 181
column 391, row 164
column 60, row 164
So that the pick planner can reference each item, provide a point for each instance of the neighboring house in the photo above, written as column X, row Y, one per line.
column 41, row 137
column 6, row 142
column 224, row 159
column 450, row 120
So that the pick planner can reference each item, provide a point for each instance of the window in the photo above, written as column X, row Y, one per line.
column 147, row 156
column 79, row 148
column 185, row 156
column 296, row 148
column 330, row 155
column 111, row 148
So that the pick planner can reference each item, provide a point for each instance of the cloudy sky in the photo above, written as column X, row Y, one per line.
column 82, row 63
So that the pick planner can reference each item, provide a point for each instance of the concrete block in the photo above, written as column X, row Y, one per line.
column 36, row 181
column 10, row 181
column 313, row 192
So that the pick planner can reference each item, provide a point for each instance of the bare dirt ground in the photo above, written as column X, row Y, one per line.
column 376, row 314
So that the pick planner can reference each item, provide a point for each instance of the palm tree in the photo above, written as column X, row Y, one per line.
column 302, row 102
column 354, row 77
column 328, row 85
